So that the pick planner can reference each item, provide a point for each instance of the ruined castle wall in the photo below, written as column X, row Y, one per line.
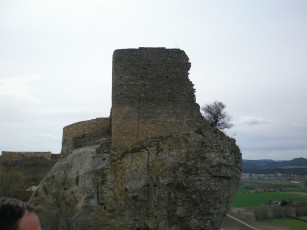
column 55, row 157
column 10, row 155
column 84, row 133
column 151, row 95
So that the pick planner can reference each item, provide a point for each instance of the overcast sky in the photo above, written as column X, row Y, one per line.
column 56, row 65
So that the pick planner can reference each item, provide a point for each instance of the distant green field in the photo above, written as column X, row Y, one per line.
column 244, row 199
column 284, row 182
column 296, row 189
column 297, row 224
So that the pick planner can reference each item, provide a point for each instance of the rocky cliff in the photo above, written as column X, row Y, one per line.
column 181, row 178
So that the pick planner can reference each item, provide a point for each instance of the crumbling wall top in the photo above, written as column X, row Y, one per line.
column 18, row 155
column 84, row 133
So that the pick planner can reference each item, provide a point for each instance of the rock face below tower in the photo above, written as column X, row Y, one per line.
column 161, row 167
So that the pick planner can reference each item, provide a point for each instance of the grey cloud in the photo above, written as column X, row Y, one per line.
column 249, row 120
column 23, row 145
column 303, row 125
column 47, row 137
column 19, row 88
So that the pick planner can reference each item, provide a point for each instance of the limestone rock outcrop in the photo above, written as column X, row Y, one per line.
column 165, row 171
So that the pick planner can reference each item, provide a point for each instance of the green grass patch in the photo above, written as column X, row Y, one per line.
column 244, row 198
column 293, row 223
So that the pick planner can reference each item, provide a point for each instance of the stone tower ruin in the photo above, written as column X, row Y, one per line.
column 154, row 162
column 151, row 95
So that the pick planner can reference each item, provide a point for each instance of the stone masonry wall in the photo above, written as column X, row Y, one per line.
column 151, row 95
column 85, row 133
column 19, row 155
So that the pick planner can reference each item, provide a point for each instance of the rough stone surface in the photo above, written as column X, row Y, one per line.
column 157, row 169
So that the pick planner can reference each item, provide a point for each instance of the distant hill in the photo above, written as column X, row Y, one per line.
column 296, row 166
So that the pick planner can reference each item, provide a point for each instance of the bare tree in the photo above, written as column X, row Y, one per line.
column 217, row 116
